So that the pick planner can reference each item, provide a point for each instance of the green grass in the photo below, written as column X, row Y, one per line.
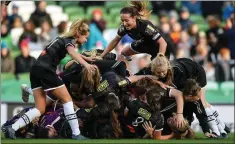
column 200, row 138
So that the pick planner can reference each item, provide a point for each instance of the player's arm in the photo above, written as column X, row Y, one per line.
column 120, row 33
column 162, row 46
column 152, row 32
column 111, row 45
column 178, row 95
column 76, row 56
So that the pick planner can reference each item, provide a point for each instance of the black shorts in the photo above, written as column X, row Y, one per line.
column 201, row 77
column 151, row 48
column 45, row 79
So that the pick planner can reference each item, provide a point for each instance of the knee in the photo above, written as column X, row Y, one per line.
column 42, row 110
column 123, row 53
column 66, row 99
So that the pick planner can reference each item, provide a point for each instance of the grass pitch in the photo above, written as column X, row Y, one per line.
column 200, row 138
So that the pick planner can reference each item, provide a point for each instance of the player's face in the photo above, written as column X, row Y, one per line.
column 81, row 39
column 128, row 21
column 171, row 121
column 161, row 72
column 52, row 132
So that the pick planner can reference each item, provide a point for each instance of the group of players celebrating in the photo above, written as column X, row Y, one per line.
column 96, row 97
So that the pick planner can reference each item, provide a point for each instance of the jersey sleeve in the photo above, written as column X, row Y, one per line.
column 69, row 42
column 152, row 32
column 121, row 31
column 158, row 120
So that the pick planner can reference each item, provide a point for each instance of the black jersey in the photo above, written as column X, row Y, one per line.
column 184, row 69
column 144, row 30
column 144, row 71
column 138, row 113
column 54, row 53
column 145, row 37
column 111, row 82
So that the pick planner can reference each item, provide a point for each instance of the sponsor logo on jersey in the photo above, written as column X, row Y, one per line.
column 149, row 30
column 103, row 86
column 122, row 83
column 144, row 113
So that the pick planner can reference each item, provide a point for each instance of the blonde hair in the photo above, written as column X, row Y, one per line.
column 162, row 61
column 90, row 80
column 78, row 26
column 180, row 132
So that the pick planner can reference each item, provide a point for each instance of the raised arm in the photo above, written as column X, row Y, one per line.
column 111, row 45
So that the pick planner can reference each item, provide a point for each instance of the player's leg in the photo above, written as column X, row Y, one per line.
column 27, row 90
column 40, row 105
column 63, row 95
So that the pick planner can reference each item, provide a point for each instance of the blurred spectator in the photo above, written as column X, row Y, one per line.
column 6, row 36
column 162, row 5
column 175, row 33
column 201, row 56
column 15, row 19
column 173, row 17
column 4, row 15
column 199, row 46
column 211, row 8
column 40, row 14
column 228, row 9
column 215, row 35
column 223, row 67
column 86, row 4
column 62, row 27
column 230, row 35
column 184, row 18
column 193, row 6
column 165, row 27
column 95, row 39
column 29, row 32
column 7, row 63
column 24, row 61
column 193, row 32
column 184, row 44
column 46, row 34
column 210, row 71
column 97, row 19
column 163, row 17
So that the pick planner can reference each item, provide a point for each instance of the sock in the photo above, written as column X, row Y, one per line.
column 26, row 119
column 71, row 117
column 211, row 121
column 30, row 91
column 216, row 114
column 221, row 129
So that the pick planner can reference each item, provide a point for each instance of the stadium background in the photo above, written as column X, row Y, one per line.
column 219, row 92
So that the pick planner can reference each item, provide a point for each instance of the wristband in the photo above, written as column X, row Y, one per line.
column 179, row 113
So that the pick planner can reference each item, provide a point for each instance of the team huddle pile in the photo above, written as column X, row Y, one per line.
column 96, row 96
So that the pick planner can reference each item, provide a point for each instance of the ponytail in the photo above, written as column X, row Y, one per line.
column 136, row 8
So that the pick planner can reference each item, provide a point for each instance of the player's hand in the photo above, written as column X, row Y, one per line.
column 98, row 58
column 90, row 67
column 179, row 120
column 147, row 125
column 161, row 84
column 210, row 135
column 90, row 59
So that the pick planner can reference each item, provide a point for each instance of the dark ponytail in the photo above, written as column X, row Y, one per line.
column 136, row 8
